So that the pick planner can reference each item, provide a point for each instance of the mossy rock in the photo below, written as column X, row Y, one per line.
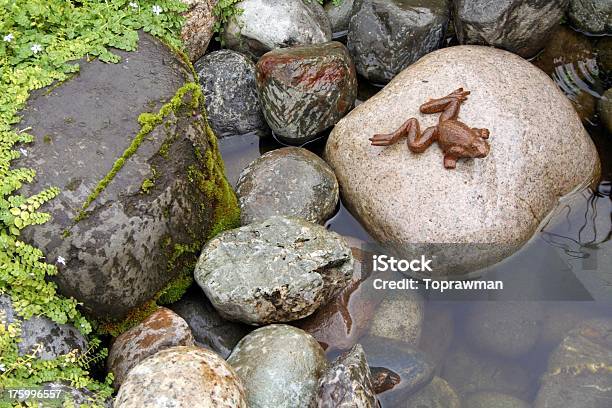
column 142, row 180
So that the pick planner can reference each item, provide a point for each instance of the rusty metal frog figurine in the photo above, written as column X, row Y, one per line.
column 456, row 139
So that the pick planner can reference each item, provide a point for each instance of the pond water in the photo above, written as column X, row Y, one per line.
column 561, row 276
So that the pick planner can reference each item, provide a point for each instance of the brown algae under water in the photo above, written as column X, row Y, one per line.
column 560, row 277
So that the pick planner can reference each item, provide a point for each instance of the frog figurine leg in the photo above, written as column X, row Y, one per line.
column 449, row 105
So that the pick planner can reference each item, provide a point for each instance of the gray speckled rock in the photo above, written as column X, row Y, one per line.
column 605, row 109
column 42, row 335
column 580, row 369
column 385, row 36
column 228, row 82
column 280, row 367
column 591, row 16
column 409, row 368
column 305, row 90
column 399, row 317
column 161, row 330
column 437, row 394
column 519, row 26
column 530, row 159
column 209, row 329
column 113, row 257
column 493, row 400
column 197, row 30
column 264, row 25
column 339, row 16
column 70, row 396
column 507, row 329
column 182, row 377
column 290, row 181
column 470, row 372
column 347, row 383
column 278, row 270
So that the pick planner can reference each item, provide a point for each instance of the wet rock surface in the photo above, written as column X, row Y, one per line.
column 437, row 394
column 279, row 270
column 305, row 90
column 162, row 330
column 522, row 27
column 347, row 383
column 339, row 16
column 198, row 27
column 209, row 329
column 42, row 336
column 228, row 82
column 529, row 157
column 386, row 36
column 264, row 25
column 591, row 16
column 469, row 372
column 605, row 109
column 494, row 400
column 280, row 367
column 579, row 370
column 399, row 317
column 341, row 321
column 182, row 377
column 113, row 256
column 507, row 329
column 398, row 369
column 292, row 182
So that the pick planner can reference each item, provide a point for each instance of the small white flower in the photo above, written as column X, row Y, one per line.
column 9, row 37
column 2, row 367
column 133, row 5
column 23, row 152
column 36, row 48
column 61, row 260
column 157, row 10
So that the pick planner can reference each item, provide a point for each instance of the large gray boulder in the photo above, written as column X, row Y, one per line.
column 264, row 25
column 182, row 377
column 228, row 82
column 386, row 36
column 409, row 200
column 41, row 336
column 519, row 26
column 291, row 181
column 274, row 271
column 133, row 195
column 591, row 16
column 579, row 370
column 280, row 367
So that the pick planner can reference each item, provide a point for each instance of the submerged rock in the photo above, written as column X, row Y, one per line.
column 197, row 30
column 347, row 383
column 209, row 329
column 162, row 330
column 494, row 400
column 41, row 336
column 580, row 369
column 591, row 16
column 228, row 82
column 530, row 160
column 520, row 26
column 399, row 317
column 278, row 270
column 386, row 36
column 305, row 90
column 506, row 329
column 280, row 367
column 131, row 193
column 264, row 25
column 182, row 377
column 404, row 368
column 437, row 394
column 438, row 332
column 292, row 182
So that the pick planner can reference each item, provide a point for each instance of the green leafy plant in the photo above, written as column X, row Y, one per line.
column 224, row 10
column 39, row 42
